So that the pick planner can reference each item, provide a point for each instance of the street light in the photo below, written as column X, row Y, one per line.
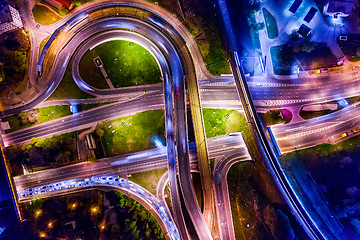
column 102, row 226
column 94, row 209
column 50, row 225
column 38, row 213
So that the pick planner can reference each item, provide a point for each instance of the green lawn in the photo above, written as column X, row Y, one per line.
column 68, row 89
column 126, row 63
column 353, row 100
column 272, row 117
column 257, row 208
column 36, row 116
column 44, row 16
column 168, row 198
column 132, row 133
column 271, row 25
column 215, row 60
column 221, row 121
column 149, row 179
column 314, row 114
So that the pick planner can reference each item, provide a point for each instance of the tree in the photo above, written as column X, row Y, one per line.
column 63, row 158
column 135, row 232
column 23, row 117
column 294, row 35
column 45, row 143
column 100, row 131
column 38, row 157
column 20, row 60
column 308, row 46
column 76, row 2
column 258, row 27
column 278, row 223
column 358, row 52
column 63, row 11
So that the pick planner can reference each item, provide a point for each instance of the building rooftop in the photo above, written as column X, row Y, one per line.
column 65, row 3
column 5, row 14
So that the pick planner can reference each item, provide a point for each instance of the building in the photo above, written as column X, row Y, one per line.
column 9, row 18
column 339, row 8
column 5, row 14
column 65, row 3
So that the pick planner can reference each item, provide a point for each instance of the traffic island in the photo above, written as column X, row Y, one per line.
column 117, row 64
column 131, row 134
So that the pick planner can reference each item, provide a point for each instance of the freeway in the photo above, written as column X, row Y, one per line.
column 265, row 150
column 121, row 165
column 224, row 97
column 105, row 182
column 178, row 81
column 179, row 102
column 176, row 74
column 288, row 92
column 85, row 119
column 324, row 129
column 111, row 35
column 220, row 185
column 235, row 152
column 124, row 164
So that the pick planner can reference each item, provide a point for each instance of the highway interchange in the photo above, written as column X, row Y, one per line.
column 215, row 92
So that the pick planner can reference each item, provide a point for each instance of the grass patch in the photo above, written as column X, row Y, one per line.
column 132, row 133
column 273, row 117
column 221, row 121
column 149, row 179
column 36, row 116
column 314, row 114
column 212, row 163
column 271, row 24
column 214, row 57
column 126, row 63
column 353, row 100
column 68, row 89
column 257, row 210
column 44, row 16
column 168, row 198
column 80, row 2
